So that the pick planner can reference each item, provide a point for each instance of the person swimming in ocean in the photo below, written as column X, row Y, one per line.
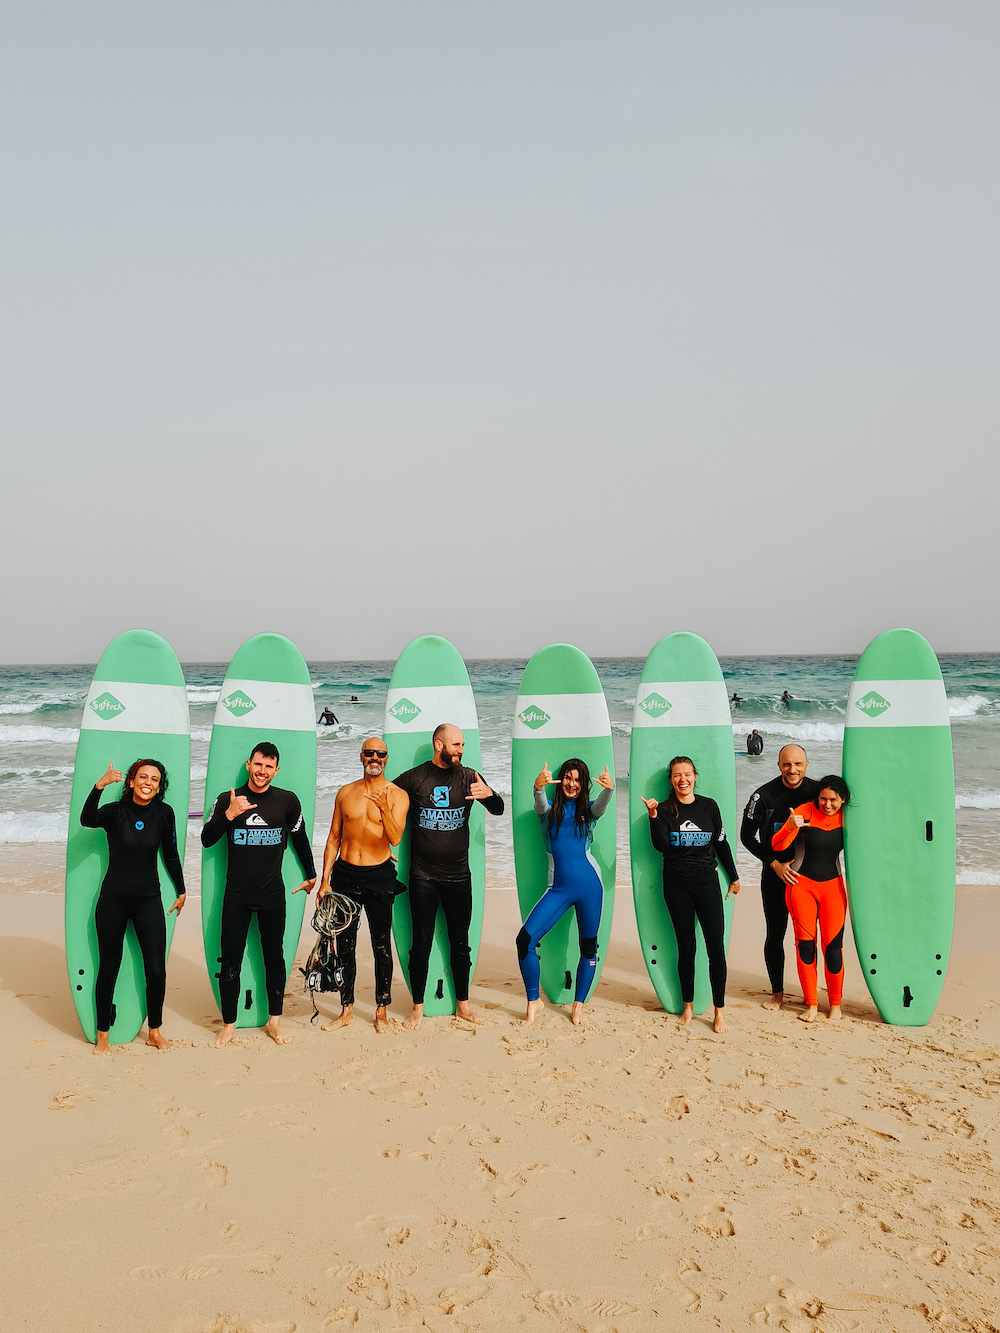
column 327, row 718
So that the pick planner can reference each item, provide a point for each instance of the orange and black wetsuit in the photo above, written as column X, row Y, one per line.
column 818, row 898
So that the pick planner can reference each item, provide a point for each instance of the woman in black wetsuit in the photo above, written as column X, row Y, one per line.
column 138, row 825
column 688, row 830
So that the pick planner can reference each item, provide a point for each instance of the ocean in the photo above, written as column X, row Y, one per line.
column 40, row 709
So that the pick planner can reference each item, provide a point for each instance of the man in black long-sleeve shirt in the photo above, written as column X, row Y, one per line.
column 257, row 821
column 441, row 793
column 766, row 811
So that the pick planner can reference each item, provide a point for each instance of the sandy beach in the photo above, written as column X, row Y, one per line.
column 785, row 1176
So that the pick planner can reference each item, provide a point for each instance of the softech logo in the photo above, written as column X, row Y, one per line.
column 655, row 705
column 106, row 706
column 404, row 710
column 239, row 704
column 873, row 704
column 534, row 717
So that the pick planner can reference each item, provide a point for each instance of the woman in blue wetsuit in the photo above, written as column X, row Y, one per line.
column 574, row 880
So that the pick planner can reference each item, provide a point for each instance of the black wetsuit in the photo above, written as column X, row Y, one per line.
column 373, row 888
column 439, row 866
column 690, row 841
column 130, row 891
column 766, row 811
column 257, row 840
column 755, row 743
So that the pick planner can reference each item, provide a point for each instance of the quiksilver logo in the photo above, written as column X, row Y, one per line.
column 239, row 704
column 655, row 705
column 106, row 706
column 404, row 710
column 873, row 704
column 534, row 717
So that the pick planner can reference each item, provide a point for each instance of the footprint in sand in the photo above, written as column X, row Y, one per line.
column 217, row 1173
column 715, row 1221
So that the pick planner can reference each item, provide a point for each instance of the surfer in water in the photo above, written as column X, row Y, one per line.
column 817, row 900
column 766, row 811
column 368, row 821
column 327, row 718
column 755, row 742
column 687, row 829
column 574, row 879
column 441, row 793
column 138, row 825
column 257, row 821
column 736, row 700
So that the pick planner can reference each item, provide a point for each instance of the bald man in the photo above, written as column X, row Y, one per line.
column 368, row 821
column 441, row 793
column 766, row 811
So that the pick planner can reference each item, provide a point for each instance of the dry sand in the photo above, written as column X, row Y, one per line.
column 627, row 1175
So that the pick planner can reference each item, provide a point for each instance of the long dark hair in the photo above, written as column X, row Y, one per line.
column 130, row 778
column 583, row 819
column 671, row 802
column 835, row 783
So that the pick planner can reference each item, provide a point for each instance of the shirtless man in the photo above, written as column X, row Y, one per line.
column 368, row 821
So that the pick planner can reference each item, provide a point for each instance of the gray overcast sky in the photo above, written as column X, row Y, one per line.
column 515, row 322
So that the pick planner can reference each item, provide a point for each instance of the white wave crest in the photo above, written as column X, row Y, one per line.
column 33, row 826
column 201, row 733
column 979, row 877
column 968, row 705
column 796, row 731
column 9, row 710
column 977, row 800
column 203, row 694
column 32, row 735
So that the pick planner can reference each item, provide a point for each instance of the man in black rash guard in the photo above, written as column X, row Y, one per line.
column 766, row 811
column 441, row 793
column 257, row 822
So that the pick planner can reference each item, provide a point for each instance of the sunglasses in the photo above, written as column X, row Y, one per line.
column 375, row 754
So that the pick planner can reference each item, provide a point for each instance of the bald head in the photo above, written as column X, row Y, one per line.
column 449, row 745
column 793, row 763
column 374, row 753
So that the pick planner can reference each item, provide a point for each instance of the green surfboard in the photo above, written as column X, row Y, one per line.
column 136, row 709
column 681, row 707
column 899, row 828
column 561, row 713
column 266, row 696
column 430, row 685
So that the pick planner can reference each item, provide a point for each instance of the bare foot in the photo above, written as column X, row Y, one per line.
column 383, row 1023
column 688, row 1013
column 720, row 1022
column 576, row 1014
column 534, row 1007
column 102, row 1047
column 810, row 1015
column 225, row 1036
column 273, row 1029
column 346, row 1015
column 463, row 1011
column 775, row 1002
column 835, row 1013
column 154, row 1039
column 414, row 1020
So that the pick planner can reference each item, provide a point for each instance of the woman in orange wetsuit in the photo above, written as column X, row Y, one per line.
column 817, row 897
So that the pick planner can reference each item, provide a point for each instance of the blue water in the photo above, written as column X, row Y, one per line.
column 40, row 710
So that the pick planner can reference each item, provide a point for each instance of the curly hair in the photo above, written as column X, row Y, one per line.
column 126, row 793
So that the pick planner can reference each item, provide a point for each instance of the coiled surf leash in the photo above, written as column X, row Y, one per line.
column 324, row 971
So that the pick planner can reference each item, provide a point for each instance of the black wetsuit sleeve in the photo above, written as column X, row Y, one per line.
column 659, row 833
column 168, row 846
column 722, row 848
column 752, row 835
column 217, row 822
column 299, row 838
column 91, row 816
column 494, row 803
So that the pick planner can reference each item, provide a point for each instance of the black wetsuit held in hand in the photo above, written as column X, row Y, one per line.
column 130, row 891
column 256, row 845
column 766, row 811
column 690, row 841
column 439, row 866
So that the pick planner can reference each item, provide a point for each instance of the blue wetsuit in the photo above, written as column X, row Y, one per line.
column 574, row 881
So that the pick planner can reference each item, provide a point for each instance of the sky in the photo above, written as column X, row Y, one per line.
column 535, row 321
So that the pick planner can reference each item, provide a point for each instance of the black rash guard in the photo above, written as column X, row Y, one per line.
column 766, row 811
column 439, row 819
column 135, row 834
column 691, row 840
column 257, row 840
